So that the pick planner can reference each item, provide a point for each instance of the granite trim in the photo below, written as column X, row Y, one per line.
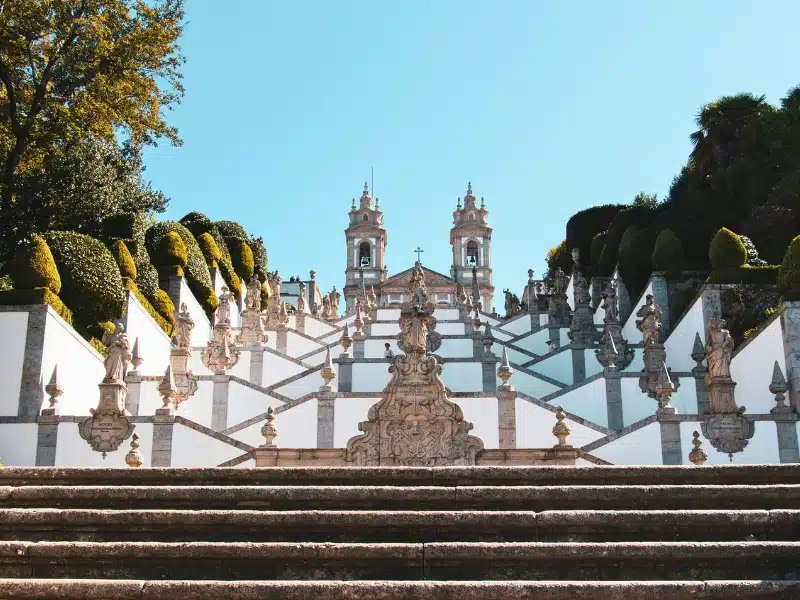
column 31, row 388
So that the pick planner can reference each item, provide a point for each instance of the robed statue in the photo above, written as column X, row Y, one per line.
column 610, row 304
column 183, row 328
column 254, row 294
column 649, row 321
column 224, row 308
column 118, row 352
column 719, row 349
column 301, row 299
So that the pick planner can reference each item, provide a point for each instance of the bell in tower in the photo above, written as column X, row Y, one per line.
column 366, row 248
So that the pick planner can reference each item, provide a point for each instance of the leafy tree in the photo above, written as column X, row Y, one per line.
column 74, row 71
column 647, row 200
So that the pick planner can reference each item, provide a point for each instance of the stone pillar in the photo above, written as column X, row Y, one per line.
column 555, row 336
column 163, row 426
column 578, row 364
column 326, row 407
column 786, row 426
column 256, row 364
column 488, row 373
column 219, row 403
column 300, row 322
column 614, row 398
column 624, row 301
column 700, row 371
column 507, row 418
column 790, row 328
column 358, row 345
column 282, row 340
column 596, row 287
column 670, row 439
column 172, row 285
column 661, row 295
column 134, row 382
column 712, row 305
column 30, row 389
column 47, row 441
column 345, row 373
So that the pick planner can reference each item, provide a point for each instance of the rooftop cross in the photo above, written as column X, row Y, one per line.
column 419, row 251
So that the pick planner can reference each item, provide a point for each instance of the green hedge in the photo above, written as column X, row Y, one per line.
column 667, row 252
column 243, row 261
column 33, row 266
column 635, row 262
column 171, row 251
column 637, row 216
column 166, row 326
column 199, row 224
column 131, row 229
column 39, row 295
column 91, row 282
column 597, row 247
column 260, row 260
column 789, row 272
column 127, row 267
column 164, row 306
column 231, row 230
column 210, row 250
column 585, row 224
column 764, row 275
column 726, row 250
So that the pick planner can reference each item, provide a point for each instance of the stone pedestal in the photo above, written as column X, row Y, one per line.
column 488, row 373
column 220, row 354
column 345, row 372
column 790, row 330
column 282, row 339
column 252, row 332
column 582, row 330
column 300, row 321
column 107, row 428
column 658, row 283
column 163, row 426
column 655, row 357
column 555, row 336
column 614, row 398
column 507, row 417
column 613, row 348
column 358, row 344
column 185, row 381
column 133, row 380
column 326, row 406
column 670, row 426
column 256, row 364
column 578, row 363
column 219, row 402
column 47, row 440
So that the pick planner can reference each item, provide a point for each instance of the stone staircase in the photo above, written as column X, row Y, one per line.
column 401, row 533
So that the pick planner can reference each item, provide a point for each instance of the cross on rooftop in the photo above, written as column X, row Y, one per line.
column 419, row 251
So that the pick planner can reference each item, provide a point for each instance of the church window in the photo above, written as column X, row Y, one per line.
column 472, row 217
column 366, row 218
column 472, row 253
column 364, row 254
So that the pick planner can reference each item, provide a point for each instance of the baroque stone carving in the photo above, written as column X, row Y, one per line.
column 648, row 321
column 223, row 314
column 183, row 328
column 558, row 308
column 512, row 305
column 582, row 330
column 301, row 300
column 697, row 456
column 614, row 349
column 220, row 354
column 253, row 301
column 414, row 423
column 179, row 355
column 252, row 331
column 118, row 352
column 728, row 432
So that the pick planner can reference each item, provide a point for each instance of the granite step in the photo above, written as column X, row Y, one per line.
column 638, row 561
column 48, row 589
column 398, row 526
column 529, row 498
column 408, row 476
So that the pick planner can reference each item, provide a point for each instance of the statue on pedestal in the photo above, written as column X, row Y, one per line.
column 649, row 321
column 183, row 328
column 118, row 353
column 253, row 301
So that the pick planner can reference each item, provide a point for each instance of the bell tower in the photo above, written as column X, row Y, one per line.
column 471, row 239
column 366, row 248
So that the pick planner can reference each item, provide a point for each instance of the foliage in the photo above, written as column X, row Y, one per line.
column 681, row 302
column 131, row 228
column 72, row 73
column 260, row 260
column 91, row 282
column 667, row 252
column 635, row 252
column 772, row 227
column 746, row 307
column 231, row 230
column 597, row 247
column 753, row 258
column 164, row 306
column 646, row 200
column 38, row 295
column 171, row 252
column 242, row 257
column 746, row 274
column 127, row 268
column 789, row 272
column 166, row 326
column 584, row 225
column 265, row 296
column 727, row 250
column 210, row 249
column 639, row 216
column 558, row 257
column 199, row 224
column 33, row 266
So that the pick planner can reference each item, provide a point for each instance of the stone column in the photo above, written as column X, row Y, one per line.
column 163, row 426
column 358, row 345
column 219, row 403
column 614, row 398
column 578, row 363
column 670, row 440
column 345, row 373
column 47, row 440
column 555, row 336
column 30, row 390
column 712, row 305
column 596, row 286
column 134, row 382
column 790, row 329
column 282, row 340
column 661, row 295
column 624, row 300
column 700, row 372
column 300, row 322
column 785, row 417
column 326, row 406
column 488, row 373
column 256, row 364
column 506, row 406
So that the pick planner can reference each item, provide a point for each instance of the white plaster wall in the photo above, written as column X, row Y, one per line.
column 192, row 448
column 535, row 428
column 501, row 335
column 455, row 348
column 197, row 408
column 557, row 366
column 316, row 328
column 277, row 368
column 517, row 326
column 242, row 366
column 571, row 294
column 563, row 336
column 637, row 364
column 305, row 385
column 14, row 326
column 761, row 449
column 334, row 337
column 514, row 356
column 319, row 357
column 376, row 348
column 297, row 427
column 195, row 363
column 642, row 447
column 593, row 366
column 463, row 377
column 599, row 314
column 154, row 344
column 202, row 328
column 297, row 345
column 386, row 329
column 245, row 403
column 440, row 314
column 80, row 367
column 491, row 320
column 680, row 342
column 482, row 413
column 370, row 377
column 450, row 328
column 18, row 444
column 752, row 367
column 74, row 451
column 348, row 413
column 685, row 398
column 531, row 385
column 629, row 331
column 588, row 402
column 535, row 342
column 635, row 405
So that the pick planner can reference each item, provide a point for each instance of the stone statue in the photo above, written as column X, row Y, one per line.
column 326, row 307
column 118, row 353
column 649, row 321
column 333, row 300
column 719, row 349
column 610, row 303
column 301, row 300
column 254, row 294
column 559, row 283
column 183, row 328
column 224, row 308
column 274, row 280
column 416, row 286
column 511, row 304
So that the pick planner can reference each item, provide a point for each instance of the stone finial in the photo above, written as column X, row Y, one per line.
column 469, row 190
column 698, row 456
column 359, row 321
column 366, row 190
column 698, row 352
column 483, row 203
column 167, row 389
column 561, row 430
column 458, row 203
column 134, row 457
column 136, row 357
column 530, row 276
column 346, row 341
column 664, row 388
column 327, row 373
column 268, row 430
column 353, row 205
column 313, row 274
column 505, row 372
column 779, row 387
column 487, row 340
column 283, row 314
column 54, row 390
column 476, row 320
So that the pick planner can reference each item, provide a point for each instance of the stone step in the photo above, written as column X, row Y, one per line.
column 48, row 589
column 408, row 476
column 530, row 498
column 434, row 561
column 397, row 526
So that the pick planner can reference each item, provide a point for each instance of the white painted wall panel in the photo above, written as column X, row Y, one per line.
column 536, row 342
column 298, row 345
column 515, row 356
column 14, row 326
column 635, row 405
column 74, row 451
column 154, row 345
column 557, row 366
column 277, row 368
column 202, row 327
column 751, row 369
column 192, row 448
column 517, row 326
column 370, row 377
column 376, row 348
column 535, row 428
column 680, row 342
column 245, row 403
column 455, row 348
column 441, row 314
column 18, row 444
column 450, row 328
column 305, row 385
column 642, row 447
column 316, row 328
column 587, row 401
column 297, row 427
column 349, row 412
column 593, row 366
column 531, row 385
column 385, row 329
column 463, row 377
column 197, row 408
column 482, row 413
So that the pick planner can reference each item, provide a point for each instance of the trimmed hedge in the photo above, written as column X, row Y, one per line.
column 38, row 295
column 242, row 257
column 635, row 262
column 165, row 325
column 668, row 251
column 171, row 252
column 164, row 306
column 33, row 266
column 597, row 247
column 789, row 272
column 726, row 250
column 231, row 230
column 127, row 268
column 91, row 282
column 210, row 249
column 199, row 224
column 584, row 225
column 260, row 260
column 640, row 216
column 746, row 274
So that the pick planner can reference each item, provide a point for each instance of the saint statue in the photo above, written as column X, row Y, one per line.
column 301, row 300
column 224, row 308
column 118, row 353
column 415, row 334
column 559, row 283
column 719, row 349
column 326, row 307
column 275, row 283
column 254, row 294
column 649, row 321
column 334, row 297
column 183, row 328
column 416, row 285
column 610, row 303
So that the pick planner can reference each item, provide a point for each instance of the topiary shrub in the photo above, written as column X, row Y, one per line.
column 231, row 230
column 597, row 247
column 91, row 285
column 125, row 226
column 667, row 252
column 127, row 267
column 210, row 249
column 789, row 272
column 753, row 259
column 260, row 260
column 634, row 259
column 242, row 257
column 171, row 252
column 585, row 224
column 726, row 250
column 39, row 295
column 164, row 306
column 197, row 223
column 33, row 266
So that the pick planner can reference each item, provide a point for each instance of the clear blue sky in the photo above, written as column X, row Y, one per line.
column 547, row 107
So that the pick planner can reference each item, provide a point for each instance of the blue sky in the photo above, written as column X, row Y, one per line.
column 547, row 107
